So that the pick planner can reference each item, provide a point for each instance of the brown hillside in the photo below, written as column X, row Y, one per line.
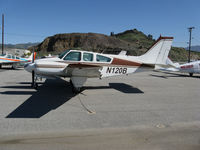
column 86, row 41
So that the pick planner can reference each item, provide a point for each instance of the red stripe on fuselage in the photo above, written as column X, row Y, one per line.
column 122, row 62
column 187, row 67
column 10, row 59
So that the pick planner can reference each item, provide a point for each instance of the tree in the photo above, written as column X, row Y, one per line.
column 150, row 36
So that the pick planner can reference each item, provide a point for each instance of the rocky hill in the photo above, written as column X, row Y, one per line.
column 86, row 41
column 133, row 41
column 135, row 36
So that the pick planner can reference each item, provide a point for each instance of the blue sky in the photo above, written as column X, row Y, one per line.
column 34, row 20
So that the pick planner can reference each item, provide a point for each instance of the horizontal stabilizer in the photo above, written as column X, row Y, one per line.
column 123, row 53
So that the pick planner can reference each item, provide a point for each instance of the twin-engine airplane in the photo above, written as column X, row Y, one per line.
column 191, row 67
column 14, row 61
column 80, row 65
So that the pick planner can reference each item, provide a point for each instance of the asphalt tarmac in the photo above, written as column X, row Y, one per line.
column 150, row 110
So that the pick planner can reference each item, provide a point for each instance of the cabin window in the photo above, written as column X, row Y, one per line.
column 87, row 57
column 63, row 54
column 101, row 58
column 9, row 56
column 73, row 56
column 17, row 57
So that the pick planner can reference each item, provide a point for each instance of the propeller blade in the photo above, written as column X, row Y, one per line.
column 34, row 54
column 33, row 73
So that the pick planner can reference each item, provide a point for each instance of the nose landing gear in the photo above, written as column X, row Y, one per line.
column 34, row 84
column 77, row 83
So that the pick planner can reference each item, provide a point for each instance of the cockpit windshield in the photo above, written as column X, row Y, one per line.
column 63, row 54
column 73, row 56
column 2, row 54
column 9, row 56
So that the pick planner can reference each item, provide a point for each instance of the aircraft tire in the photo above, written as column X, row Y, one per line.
column 191, row 74
column 35, row 86
column 14, row 66
column 74, row 89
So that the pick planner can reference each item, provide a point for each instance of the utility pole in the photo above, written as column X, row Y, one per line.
column 2, row 33
column 190, row 30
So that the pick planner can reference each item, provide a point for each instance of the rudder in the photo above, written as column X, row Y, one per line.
column 158, row 53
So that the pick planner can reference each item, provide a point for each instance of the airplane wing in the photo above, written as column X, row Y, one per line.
column 82, row 70
column 10, row 61
column 79, row 73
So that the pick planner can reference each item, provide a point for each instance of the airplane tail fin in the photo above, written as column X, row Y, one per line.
column 158, row 53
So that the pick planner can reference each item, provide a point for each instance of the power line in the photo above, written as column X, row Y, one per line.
column 197, row 40
column 190, row 30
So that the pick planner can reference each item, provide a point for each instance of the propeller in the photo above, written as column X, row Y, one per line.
column 33, row 72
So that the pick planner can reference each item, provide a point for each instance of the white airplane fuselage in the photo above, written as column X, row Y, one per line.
column 118, row 65
column 79, row 65
column 9, row 59
column 192, row 67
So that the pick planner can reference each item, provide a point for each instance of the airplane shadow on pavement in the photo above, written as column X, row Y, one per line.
column 122, row 87
column 51, row 95
column 125, row 88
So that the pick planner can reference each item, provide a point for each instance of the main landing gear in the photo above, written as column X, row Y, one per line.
column 77, row 83
column 191, row 74
column 14, row 66
column 34, row 85
column 75, row 89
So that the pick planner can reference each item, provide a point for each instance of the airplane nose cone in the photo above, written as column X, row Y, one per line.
column 29, row 67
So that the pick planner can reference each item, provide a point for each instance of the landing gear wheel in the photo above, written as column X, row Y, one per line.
column 191, row 74
column 35, row 86
column 75, row 90
column 71, row 84
column 14, row 66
